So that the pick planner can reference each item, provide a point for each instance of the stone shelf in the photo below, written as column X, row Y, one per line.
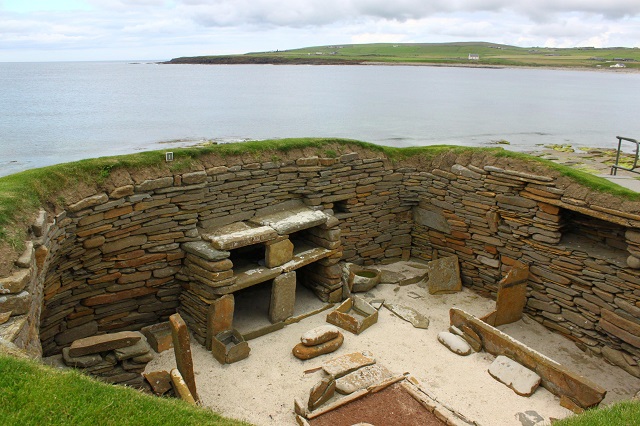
column 247, row 275
column 305, row 254
column 239, row 234
column 294, row 219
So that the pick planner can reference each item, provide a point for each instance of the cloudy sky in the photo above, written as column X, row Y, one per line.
column 69, row 30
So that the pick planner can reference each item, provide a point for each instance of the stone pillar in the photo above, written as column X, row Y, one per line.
column 219, row 317
column 182, row 349
column 283, row 297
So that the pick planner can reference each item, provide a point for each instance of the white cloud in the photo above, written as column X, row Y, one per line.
column 172, row 28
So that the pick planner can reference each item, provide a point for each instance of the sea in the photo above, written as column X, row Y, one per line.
column 58, row 112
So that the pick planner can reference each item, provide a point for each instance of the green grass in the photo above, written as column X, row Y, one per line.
column 34, row 394
column 626, row 413
column 491, row 54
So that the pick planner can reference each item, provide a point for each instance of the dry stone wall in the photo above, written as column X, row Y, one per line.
column 122, row 259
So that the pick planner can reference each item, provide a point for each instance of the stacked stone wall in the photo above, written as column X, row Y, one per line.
column 580, row 283
column 116, row 260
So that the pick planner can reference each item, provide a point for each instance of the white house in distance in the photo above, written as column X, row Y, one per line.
column 474, row 57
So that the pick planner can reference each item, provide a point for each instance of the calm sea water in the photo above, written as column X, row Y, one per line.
column 58, row 112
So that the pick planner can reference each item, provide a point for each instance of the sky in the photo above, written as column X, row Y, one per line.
column 93, row 30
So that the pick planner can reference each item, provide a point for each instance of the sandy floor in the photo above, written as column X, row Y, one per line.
column 261, row 388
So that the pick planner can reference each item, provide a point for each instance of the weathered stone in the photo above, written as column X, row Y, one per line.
column 75, row 333
column 103, row 299
column 124, row 243
column 523, row 381
column 543, row 306
column 15, row 282
column 283, row 297
column 431, row 219
column 122, row 191
column 151, row 184
column 444, row 276
column 624, row 329
column 455, row 344
column 292, row 217
column 88, row 202
column 321, row 393
column 4, row 317
column 137, row 349
column 80, row 361
column 160, row 381
column 194, row 177
column 103, row 343
column 220, row 317
column 17, row 303
column 409, row 314
column 362, row 378
column 319, row 335
column 345, row 364
column 239, row 235
column 181, row 387
column 516, row 201
column 303, row 352
column 512, row 295
column 182, row 350
column 25, row 259
column 633, row 262
column 278, row 253
column 618, row 358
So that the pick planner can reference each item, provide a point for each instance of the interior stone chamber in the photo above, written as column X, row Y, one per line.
column 138, row 249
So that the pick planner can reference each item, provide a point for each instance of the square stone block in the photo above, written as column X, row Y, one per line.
column 229, row 347
column 278, row 253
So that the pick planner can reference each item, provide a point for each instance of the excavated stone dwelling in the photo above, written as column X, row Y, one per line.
column 145, row 244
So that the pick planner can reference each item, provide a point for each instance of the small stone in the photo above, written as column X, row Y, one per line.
column 444, row 276
column 523, row 381
column 319, row 335
column 84, row 361
column 455, row 344
column 303, row 352
column 160, row 381
column 4, row 317
column 158, row 336
column 409, row 314
column 633, row 262
column 138, row 349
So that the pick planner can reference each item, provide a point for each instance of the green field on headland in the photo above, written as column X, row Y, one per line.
column 454, row 54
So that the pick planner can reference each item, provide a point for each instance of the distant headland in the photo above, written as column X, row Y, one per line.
column 476, row 54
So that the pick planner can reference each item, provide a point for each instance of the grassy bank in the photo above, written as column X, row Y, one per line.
column 626, row 413
column 22, row 194
column 490, row 54
column 33, row 394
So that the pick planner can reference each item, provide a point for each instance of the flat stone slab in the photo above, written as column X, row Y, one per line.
column 239, row 234
column 455, row 344
column 409, row 314
column 84, row 361
column 292, row 220
column 103, row 343
column 204, row 250
column 160, row 381
column 345, row 364
column 362, row 379
column 304, row 352
column 248, row 276
column 159, row 336
column 444, row 276
column 523, row 381
column 319, row 335
column 138, row 349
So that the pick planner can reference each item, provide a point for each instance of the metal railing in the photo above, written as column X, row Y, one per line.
column 616, row 166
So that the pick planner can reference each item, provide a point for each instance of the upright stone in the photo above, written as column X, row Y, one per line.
column 219, row 317
column 512, row 295
column 444, row 275
column 181, row 387
column 283, row 297
column 278, row 253
column 182, row 350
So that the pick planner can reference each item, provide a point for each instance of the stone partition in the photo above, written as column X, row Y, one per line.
column 143, row 245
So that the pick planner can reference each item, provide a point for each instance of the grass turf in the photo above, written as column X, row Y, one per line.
column 34, row 394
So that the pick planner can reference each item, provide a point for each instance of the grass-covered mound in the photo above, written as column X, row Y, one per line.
column 34, row 394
